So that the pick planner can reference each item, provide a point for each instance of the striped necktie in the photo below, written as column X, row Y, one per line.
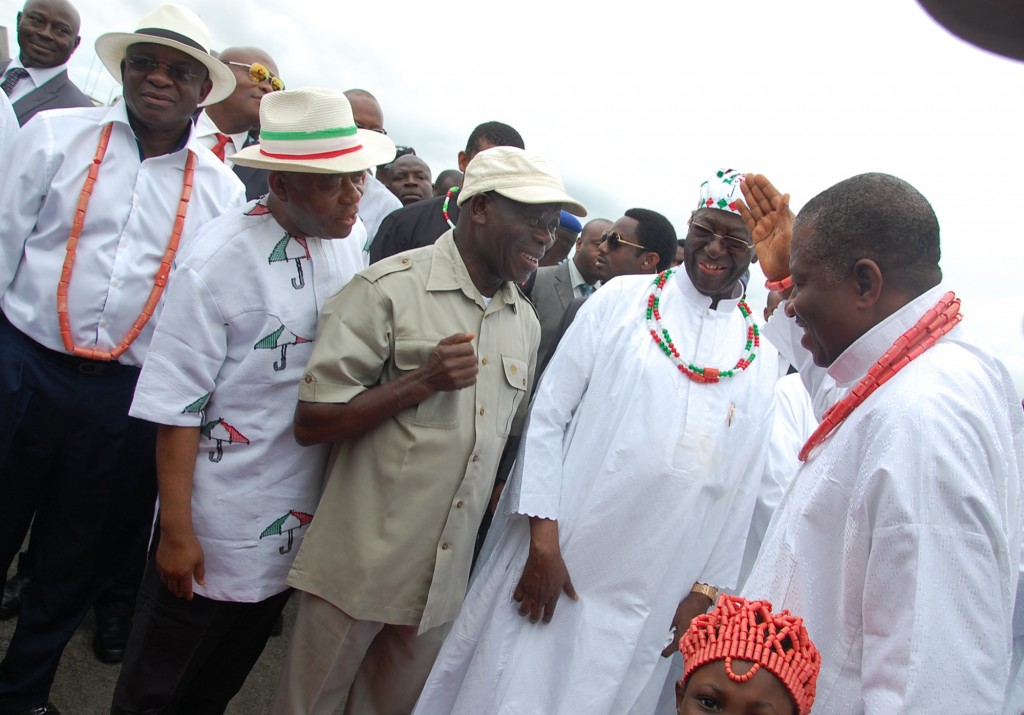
column 586, row 290
column 14, row 75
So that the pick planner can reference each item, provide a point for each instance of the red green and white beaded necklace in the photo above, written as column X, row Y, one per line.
column 444, row 207
column 698, row 373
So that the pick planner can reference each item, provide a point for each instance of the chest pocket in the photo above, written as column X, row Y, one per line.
column 441, row 409
column 511, row 392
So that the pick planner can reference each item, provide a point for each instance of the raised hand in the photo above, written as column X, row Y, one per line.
column 770, row 221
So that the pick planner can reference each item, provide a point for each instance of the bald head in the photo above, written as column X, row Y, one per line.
column 47, row 32
column 366, row 110
column 240, row 112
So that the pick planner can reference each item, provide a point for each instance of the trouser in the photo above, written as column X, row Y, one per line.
column 381, row 667
column 190, row 657
column 71, row 456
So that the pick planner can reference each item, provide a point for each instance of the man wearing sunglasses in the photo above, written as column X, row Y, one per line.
column 234, row 123
column 81, row 292
column 632, row 491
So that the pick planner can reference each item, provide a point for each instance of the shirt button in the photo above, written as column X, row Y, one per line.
column 483, row 361
column 405, row 261
column 458, row 504
column 308, row 378
column 476, row 457
column 444, row 547
column 481, row 411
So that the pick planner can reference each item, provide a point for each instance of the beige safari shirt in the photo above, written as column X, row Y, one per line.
column 392, row 539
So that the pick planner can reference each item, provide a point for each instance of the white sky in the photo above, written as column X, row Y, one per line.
column 639, row 102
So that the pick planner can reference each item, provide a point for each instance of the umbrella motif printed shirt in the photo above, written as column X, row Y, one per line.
column 237, row 329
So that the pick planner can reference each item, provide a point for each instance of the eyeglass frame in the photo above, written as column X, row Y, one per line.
column 614, row 238
column 731, row 243
column 251, row 67
column 176, row 71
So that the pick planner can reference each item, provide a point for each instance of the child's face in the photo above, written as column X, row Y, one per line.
column 711, row 690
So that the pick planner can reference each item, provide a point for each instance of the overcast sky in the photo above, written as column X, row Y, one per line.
column 638, row 102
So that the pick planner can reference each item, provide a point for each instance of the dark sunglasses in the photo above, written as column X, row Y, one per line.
column 259, row 73
column 178, row 72
column 614, row 238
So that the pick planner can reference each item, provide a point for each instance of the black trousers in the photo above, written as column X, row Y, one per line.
column 190, row 657
column 71, row 456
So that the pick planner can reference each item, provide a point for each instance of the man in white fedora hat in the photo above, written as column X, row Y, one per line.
column 236, row 492
column 422, row 368
column 96, row 201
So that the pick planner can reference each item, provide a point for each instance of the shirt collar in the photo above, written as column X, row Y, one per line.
column 576, row 278
column 448, row 272
column 118, row 113
column 38, row 75
column 856, row 360
column 205, row 127
column 690, row 292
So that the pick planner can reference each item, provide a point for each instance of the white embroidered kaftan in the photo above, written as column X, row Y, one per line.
column 652, row 478
column 898, row 541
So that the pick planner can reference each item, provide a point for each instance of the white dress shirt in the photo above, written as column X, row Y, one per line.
column 127, row 227
column 8, row 124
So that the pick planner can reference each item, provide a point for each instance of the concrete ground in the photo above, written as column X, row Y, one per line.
column 84, row 685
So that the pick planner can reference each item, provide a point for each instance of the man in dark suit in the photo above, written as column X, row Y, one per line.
column 555, row 286
column 233, row 124
column 38, row 78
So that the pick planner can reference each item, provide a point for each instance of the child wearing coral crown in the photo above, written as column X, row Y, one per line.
column 742, row 659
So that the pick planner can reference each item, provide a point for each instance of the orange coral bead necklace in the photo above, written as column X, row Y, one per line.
column 159, row 280
column 924, row 334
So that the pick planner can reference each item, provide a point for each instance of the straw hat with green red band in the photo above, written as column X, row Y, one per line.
column 311, row 130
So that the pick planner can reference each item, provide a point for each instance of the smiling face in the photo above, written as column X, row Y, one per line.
column 47, row 33
column 823, row 307
column 320, row 205
column 156, row 94
column 713, row 266
column 517, row 236
column 409, row 179
column 709, row 689
column 240, row 112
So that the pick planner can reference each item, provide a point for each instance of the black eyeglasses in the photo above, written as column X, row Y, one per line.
column 614, row 238
column 259, row 73
column 379, row 130
column 177, row 72
column 702, row 233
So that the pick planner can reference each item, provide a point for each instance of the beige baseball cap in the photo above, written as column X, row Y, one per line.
column 517, row 175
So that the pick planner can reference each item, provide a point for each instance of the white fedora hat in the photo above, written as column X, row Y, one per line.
column 173, row 26
column 311, row 130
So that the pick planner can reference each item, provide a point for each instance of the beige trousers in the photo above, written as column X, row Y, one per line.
column 381, row 667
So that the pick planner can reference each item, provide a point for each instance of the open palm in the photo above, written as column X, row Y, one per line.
column 770, row 221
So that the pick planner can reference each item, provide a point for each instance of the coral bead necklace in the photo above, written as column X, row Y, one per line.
column 924, row 334
column 697, row 373
column 159, row 281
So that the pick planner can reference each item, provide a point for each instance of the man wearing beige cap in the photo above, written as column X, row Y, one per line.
column 236, row 491
column 96, row 202
column 422, row 368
